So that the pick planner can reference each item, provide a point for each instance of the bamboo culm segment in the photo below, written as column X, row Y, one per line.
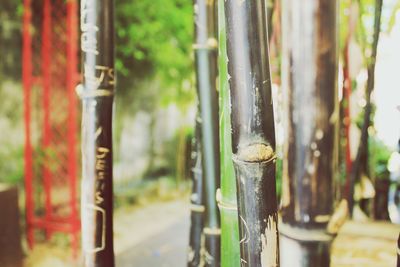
column 206, row 73
column 253, row 133
column 309, row 70
column 230, row 249
column 197, row 201
column 97, row 44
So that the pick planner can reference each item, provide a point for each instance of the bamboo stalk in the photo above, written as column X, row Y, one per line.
column 97, row 44
column 362, row 151
column 310, row 85
column 253, row 133
column 206, row 74
column 227, row 202
column 197, row 201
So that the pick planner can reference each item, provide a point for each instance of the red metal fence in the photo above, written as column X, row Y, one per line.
column 50, row 74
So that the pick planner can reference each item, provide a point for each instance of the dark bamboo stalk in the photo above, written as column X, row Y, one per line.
column 97, row 43
column 197, row 201
column 253, row 133
column 309, row 81
column 362, row 152
column 206, row 71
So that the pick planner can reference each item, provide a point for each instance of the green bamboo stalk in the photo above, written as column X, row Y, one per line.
column 206, row 73
column 97, row 93
column 227, row 202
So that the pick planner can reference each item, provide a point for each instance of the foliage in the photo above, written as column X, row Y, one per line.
column 154, row 40
column 10, row 39
column 379, row 157
column 11, row 139
column 279, row 170
column 392, row 17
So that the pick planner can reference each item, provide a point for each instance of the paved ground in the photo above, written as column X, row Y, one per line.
column 166, row 249
column 156, row 235
column 366, row 244
column 162, row 239
column 359, row 244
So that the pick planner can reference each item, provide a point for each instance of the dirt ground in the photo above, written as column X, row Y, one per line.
column 162, row 240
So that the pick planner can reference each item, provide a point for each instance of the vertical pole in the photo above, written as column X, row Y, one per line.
column 97, row 93
column 253, row 133
column 197, row 209
column 27, row 83
column 227, row 202
column 347, row 118
column 309, row 79
column 72, row 79
column 360, row 161
column 347, row 88
column 206, row 72
column 46, row 85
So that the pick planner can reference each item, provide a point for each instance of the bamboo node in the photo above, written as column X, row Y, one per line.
column 224, row 205
column 256, row 153
column 212, row 231
column 211, row 44
column 197, row 208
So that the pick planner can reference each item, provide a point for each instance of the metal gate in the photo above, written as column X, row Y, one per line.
column 50, row 74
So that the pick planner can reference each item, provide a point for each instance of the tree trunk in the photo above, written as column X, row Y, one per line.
column 309, row 79
column 206, row 72
column 361, row 161
column 97, row 100
column 230, row 249
column 253, row 133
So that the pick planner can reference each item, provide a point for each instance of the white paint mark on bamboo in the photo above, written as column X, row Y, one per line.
column 319, row 134
column 209, row 259
column 269, row 243
column 313, row 146
column 246, row 237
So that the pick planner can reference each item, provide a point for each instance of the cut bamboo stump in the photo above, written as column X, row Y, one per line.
column 10, row 233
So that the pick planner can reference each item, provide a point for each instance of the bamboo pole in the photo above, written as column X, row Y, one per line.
column 206, row 73
column 309, row 79
column 97, row 44
column 253, row 133
column 361, row 159
column 197, row 200
column 227, row 202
